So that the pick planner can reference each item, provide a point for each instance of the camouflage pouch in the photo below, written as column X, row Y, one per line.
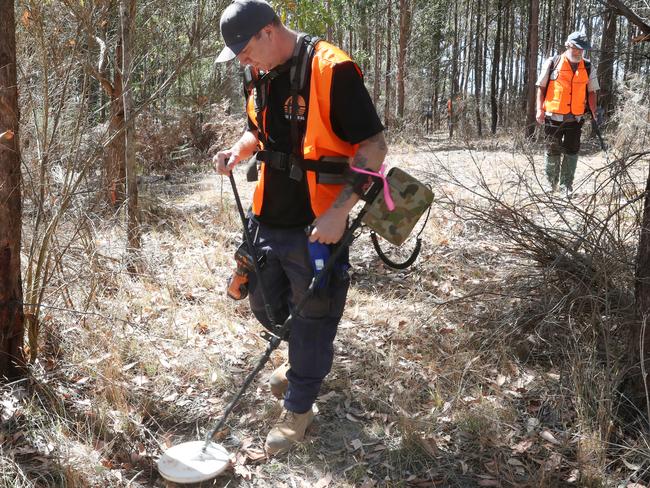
column 411, row 200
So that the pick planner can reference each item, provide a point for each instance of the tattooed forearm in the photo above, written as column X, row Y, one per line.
column 360, row 160
column 372, row 149
column 343, row 197
column 370, row 156
column 380, row 141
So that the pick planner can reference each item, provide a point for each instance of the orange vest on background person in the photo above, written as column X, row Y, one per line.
column 319, row 139
column 567, row 94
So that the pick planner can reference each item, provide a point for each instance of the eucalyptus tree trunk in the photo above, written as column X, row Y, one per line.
column 127, row 21
column 389, row 29
column 511, row 72
column 114, row 160
column 548, row 36
column 628, row 52
column 485, row 44
column 630, row 15
column 12, row 328
column 533, row 43
column 365, row 36
column 494, row 82
column 453, row 83
column 467, row 51
column 565, row 15
column 507, row 50
column 477, row 70
column 376, row 88
column 328, row 9
column 351, row 29
column 435, row 78
column 606, row 61
column 637, row 380
column 404, row 35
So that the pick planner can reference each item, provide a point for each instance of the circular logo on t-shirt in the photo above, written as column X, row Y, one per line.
column 301, row 108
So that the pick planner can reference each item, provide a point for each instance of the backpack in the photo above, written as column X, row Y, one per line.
column 298, row 65
column 556, row 61
column 257, row 83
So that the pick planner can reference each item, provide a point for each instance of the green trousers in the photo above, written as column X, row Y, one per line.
column 561, row 169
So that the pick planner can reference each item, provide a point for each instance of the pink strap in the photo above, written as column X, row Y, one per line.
column 389, row 200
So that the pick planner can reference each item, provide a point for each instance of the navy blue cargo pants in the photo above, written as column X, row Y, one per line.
column 286, row 275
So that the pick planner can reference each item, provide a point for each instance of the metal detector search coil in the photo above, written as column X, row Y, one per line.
column 191, row 463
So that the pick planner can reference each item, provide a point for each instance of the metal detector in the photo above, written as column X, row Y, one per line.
column 196, row 461
column 596, row 127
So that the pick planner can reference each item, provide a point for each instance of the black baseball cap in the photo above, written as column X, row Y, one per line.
column 241, row 20
column 579, row 40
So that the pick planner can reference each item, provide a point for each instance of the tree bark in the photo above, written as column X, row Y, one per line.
column 466, row 65
column 387, row 117
column 507, row 50
column 512, row 90
column 494, row 83
column 12, row 328
column 548, row 37
column 114, row 161
column 566, row 19
column 328, row 9
column 435, row 78
column 404, row 35
column 127, row 16
column 453, row 83
column 630, row 15
column 477, row 70
column 635, row 382
column 484, row 56
column 376, row 88
column 533, row 43
column 606, row 62
column 365, row 36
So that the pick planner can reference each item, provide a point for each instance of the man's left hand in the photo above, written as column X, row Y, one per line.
column 329, row 227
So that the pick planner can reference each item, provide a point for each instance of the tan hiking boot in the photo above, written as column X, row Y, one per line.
column 278, row 381
column 290, row 429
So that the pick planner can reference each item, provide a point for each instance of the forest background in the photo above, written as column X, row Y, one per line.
column 513, row 354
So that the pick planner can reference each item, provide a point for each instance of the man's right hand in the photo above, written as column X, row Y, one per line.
column 225, row 161
column 540, row 116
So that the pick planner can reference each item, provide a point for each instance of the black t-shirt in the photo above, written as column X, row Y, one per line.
column 353, row 118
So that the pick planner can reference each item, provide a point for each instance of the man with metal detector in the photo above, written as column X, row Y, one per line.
column 566, row 87
column 317, row 137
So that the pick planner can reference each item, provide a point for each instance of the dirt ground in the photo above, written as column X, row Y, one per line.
column 420, row 406
column 424, row 391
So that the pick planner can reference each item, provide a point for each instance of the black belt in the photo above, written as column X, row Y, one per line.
column 329, row 169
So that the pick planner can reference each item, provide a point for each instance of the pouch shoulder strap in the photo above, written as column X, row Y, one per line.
column 553, row 66
column 302, row 56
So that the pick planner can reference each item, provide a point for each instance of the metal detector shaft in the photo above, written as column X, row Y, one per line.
column 274, row 342
column 251, row 250
column 599, row 134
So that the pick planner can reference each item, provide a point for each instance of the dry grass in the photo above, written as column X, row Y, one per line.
column 490, row 363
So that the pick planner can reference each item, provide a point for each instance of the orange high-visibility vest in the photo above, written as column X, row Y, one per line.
column 319, row 139
column 567, row 94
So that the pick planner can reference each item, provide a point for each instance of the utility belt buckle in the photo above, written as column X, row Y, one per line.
column 295, row 171
column 284, row 162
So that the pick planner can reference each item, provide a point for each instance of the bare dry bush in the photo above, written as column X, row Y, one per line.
column 60, row 161
column 172, row 139
column 632, row 118
column 569, row 299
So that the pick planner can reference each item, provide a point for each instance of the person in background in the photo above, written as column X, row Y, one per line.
column 566, row 88
column 307, row 133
